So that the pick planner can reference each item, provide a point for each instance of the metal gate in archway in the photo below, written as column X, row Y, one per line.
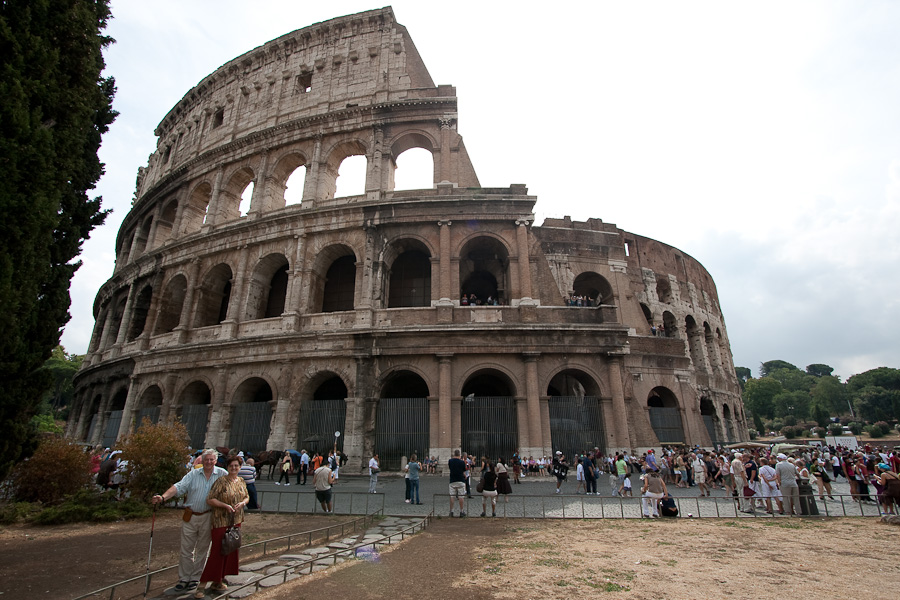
column 576, row 425
column 195, row 417
column 151, row 412
column 712, row 427
column 319, row 419
column 489, row 426
column 112, row 428
column 401, row 428
column 250, row 424
column 666, row 423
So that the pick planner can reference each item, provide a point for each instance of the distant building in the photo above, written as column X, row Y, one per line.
column 281, row 326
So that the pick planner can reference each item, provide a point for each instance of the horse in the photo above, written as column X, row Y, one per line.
column 267, row 457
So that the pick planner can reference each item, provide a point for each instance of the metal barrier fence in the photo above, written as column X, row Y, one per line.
column 283, row 543
column 344, row 503
column 616, row 507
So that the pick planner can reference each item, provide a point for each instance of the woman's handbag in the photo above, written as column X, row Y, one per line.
column 480, row 487
column 231, row 541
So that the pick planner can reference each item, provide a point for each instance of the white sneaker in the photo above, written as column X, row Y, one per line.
column 287, row 484
column 277, row 483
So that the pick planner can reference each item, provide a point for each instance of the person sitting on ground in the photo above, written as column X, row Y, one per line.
column 667, row 506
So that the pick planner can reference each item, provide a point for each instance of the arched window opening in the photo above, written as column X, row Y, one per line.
column 402, row 423
column 118, row 311
column 195, row 212
column 98, row 329
column 267, row 290
column 293, row 187
column 171, row 305
column 194, row 411
column 95, row 418
column 664, row 290
column 665, row 416
column 410, row 280
column 724, row 358
column 594, row 288
column 415, row 170
column 246, row 197
column 670, row 324
column 141, row 237
column 712, row 350
column 150, row 403
column 114, row 418
column 165, row 224
column 695, row 345
column 351, row 177
column 125, row 250
column 710, row 420
column 576, row 422
column 323, row 415
column 484, row 271
column 340, row 283
column 252, row 415
column 729, row 423
column 215, row 294
column 139, row 315
column 488, row 415
column 647, row 314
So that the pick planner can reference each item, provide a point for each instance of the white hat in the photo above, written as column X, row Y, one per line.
column 241, row 454
column 782, row 457
column 559, row 451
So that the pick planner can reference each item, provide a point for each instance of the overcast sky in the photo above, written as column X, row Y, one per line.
column 762, row 138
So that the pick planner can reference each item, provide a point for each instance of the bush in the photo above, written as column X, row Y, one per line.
column 855, row 427
column 875, row 431
column 820, row 432
column 885, row 427
column 789, row 432
column 790, row 420
column 156, row 456
column 58, row 468
column 753, row 434
column 18, row 511
column 92, row 505
column 835, row 429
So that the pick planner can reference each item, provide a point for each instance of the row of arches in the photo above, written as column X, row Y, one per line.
column 706, row 346
column 294, row 178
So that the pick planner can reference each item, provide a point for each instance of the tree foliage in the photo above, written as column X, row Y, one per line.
column 768, row 367
column 819, row 370
column 58, row 468
column 156, row 456
column 55, row 108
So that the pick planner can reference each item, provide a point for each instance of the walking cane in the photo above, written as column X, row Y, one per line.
column 150, row 552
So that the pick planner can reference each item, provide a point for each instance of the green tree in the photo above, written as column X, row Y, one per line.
column 62, row 368
column 884, row 377
column 793, row 380
column 875, row 403
column 819, row 370
column 795, row 404
column 830, row 394
column 55, row 108
column 743, row 375
column 768, row 367
column 759, row 395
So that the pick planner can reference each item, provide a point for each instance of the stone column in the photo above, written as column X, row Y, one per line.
column 311, row 184
column 445, row 415
column 278, row 431
column 127, row 315
column 533, row 405
column 131, row 409
column 524, row 261
column 219, row 408
column 292, row 303
column 237, row 303
column 621, row 439
column 187, row 309
column 445, row 166
column 259, row 200
column 444, row 265
column 212, row 213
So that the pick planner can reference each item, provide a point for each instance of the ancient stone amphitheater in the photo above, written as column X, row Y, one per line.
column 280, row 324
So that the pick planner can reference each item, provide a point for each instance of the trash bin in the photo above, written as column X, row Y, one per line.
column 807, row 498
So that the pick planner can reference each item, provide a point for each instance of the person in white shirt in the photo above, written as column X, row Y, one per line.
column 373, row 473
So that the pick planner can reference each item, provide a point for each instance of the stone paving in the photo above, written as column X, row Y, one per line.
column 276, row 570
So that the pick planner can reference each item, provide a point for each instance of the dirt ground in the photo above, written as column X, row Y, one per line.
column 494, row 558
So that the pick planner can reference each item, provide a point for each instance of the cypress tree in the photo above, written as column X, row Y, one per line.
column 54, row 107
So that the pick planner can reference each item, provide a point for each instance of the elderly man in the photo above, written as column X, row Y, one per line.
column 195, row 531
column 740, row 482
column 786, row 477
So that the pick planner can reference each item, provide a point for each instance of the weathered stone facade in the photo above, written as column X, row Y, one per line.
column 247, row 323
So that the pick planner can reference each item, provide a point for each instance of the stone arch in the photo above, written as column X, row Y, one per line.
column 413, row 140
column 113, row 420
column 484, row 268
column 125, row 248
column 594, row 286
column 695, row 344
column 670, row 323
column 267, row 288
column 193, row 406
column 149, row 405
column 576, row 418
column 139, row 313
column 215, row 295
column 229, row 202
column 323, row 411
column 711, row 346
column 251, row 414
column 333, row 285
column 195, row 211
column 408, row 269
column 99, row 325
column 729, row 423
column 404, row 382
column 166, row 223
column 328, row 174
column 117, row 313
column 171, row 304
column 665, row 415
column 710, row 419
column 488, row 418
column 664, row 290
column 141, row 237
column 284, row 171
column 402, row 418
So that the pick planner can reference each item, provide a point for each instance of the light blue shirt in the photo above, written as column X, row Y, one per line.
column 413, row 470
column 196, row 486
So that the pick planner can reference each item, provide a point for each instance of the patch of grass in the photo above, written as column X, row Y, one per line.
column 534, row 545
column 563, row 583
column 491, row 557
column 556, row 563
column 492, row 570
column 736, row 524
column 664, row 543
column 783, row 524
column 671, row 562
column 613, row 574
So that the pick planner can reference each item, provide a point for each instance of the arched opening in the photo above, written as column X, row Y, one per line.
column 215, row 294
column 252, row 415
column 670, row 324
column 484, row 270
column 710, row 419
column 665, row 416
column 141, row 237
column 114, row 418
column 151, row 403
column 171, row 305
column 139, row 314
column 125, row 249
column 95, row 418
column 410, row 276
column 664, row 290
column 323, row 415
column 711, row 347
column 729, row 423
column 594, row 288
column 194, row 411
column 576, row 421
column 415, row 170
column 195, row 212
column 165, row 223
column 488, row 415
column 340, row 285
column 402, row 419
column 117, row 312
column 724, row 356
column 351, row 177
column 231, row 205
column 267, row 289
column 647, row 314
column 293, row 187
column 98, row 329
column 246, row 197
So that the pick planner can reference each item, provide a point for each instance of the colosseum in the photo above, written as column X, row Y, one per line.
column 407, row 321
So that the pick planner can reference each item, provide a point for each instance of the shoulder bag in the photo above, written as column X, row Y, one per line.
column 231, row 541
